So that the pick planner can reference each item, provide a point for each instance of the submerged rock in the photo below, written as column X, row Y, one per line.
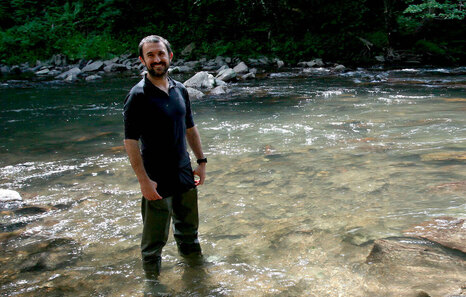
column 445, row 156
column 429, row 266
column 447, row 231
column 49, row 254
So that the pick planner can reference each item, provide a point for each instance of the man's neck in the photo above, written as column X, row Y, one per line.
column 159, row 82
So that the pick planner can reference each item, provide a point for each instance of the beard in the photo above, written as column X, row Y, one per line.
column 160, row 72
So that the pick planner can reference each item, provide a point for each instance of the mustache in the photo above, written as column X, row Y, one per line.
column 159, row 63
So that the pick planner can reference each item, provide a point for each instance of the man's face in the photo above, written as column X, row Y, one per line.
column 156, row 58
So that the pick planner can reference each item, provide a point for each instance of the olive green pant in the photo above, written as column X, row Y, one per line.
column 156, row 215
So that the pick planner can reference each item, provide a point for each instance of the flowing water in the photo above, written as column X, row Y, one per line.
column 305, row 170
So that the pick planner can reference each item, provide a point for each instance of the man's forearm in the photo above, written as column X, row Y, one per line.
column 135, row 158
column 194, row 141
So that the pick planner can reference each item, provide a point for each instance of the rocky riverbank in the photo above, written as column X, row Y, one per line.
column 210, row 76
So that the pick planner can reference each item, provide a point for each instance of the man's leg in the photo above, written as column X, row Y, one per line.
column 186, row 223
column 156, row 219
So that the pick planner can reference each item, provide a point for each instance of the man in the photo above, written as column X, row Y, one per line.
column 157, row 111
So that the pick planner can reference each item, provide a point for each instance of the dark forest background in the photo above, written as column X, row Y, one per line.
column 293, row 30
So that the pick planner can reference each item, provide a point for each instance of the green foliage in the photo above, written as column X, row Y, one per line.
column 425, row 46
column 292, row 30
column 432, row 9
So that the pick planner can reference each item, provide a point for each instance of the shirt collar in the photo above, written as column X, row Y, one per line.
column 148, row 83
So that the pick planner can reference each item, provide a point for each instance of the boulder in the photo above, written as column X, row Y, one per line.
column 93, row 77
column 15, row 70
column 249, row 75
column 4, row 69
column 380, row 59
column 45, row 71
column 219, row 90
column 226, row 75
column 447, row 231
column 49, row 255
column 95, row 66
column 241, row 68
column 194, row 94
column 313, row 63
column 423, row 264
column 73, row 71
column 220, row 61
column 113, row 67
column 339, row 68
column 71, row 78
column 280, row 63
column 180, row 69
column 224, row 67
column 201, row 80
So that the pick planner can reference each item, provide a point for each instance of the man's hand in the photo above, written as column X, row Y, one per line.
column 200, row 171
column 149, row 190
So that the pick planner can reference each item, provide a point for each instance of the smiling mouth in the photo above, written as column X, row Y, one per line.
column 157, row 64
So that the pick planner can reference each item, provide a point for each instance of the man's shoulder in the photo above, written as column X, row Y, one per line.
column 136, row 91
column 138, row 88
column 178, row 84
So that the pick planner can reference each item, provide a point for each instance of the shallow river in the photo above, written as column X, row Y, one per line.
column 305, row 171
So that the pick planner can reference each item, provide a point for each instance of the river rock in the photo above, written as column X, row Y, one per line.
column 73, row 71
column 313, row 63
column 45, row 71
column 49, row 254
column 280, row 63
column 15, row 70
column 71, row 78
column 241, row 68
column 201, row 80
column 93, row 77
column 92, row 67
column 226, row 75
column 445, row 156
column 113, row 67
column 221, row 61
column 447, row 231
column 436, row 270
column 249, row 75
column 220, row 90
column 194, row 94
column 339, row 68
column 4, row 69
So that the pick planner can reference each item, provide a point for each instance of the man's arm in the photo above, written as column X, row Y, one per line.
column 194, row 141
column 148, row 186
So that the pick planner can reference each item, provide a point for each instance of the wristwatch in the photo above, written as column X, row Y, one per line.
column 199, row 161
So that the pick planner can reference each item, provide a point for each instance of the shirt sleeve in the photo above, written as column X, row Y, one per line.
column 189, row 116
column 132, row 116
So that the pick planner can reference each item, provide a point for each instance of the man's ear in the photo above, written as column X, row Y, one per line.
column 141, row 59
column 171, row 56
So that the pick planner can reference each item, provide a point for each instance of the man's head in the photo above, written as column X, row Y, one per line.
column 156, row 54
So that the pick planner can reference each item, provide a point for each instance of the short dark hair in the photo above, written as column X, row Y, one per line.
column 154, row 39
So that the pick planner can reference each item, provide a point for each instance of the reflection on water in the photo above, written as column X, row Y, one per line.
column 305, row 171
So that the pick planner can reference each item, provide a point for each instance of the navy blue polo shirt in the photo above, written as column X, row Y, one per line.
column 160, row 121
